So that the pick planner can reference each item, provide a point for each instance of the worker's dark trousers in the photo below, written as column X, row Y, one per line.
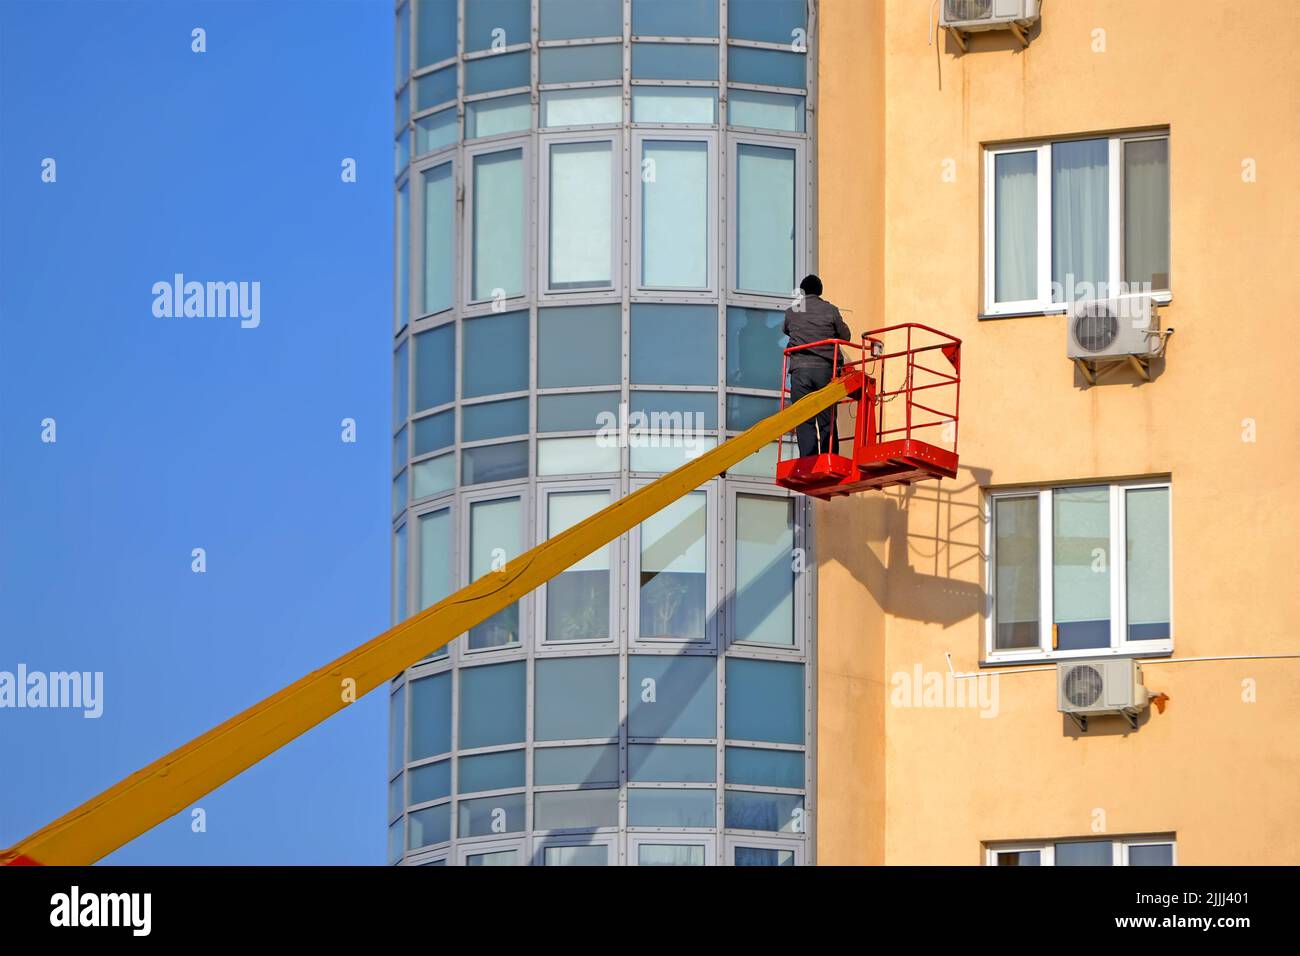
column 816, row 436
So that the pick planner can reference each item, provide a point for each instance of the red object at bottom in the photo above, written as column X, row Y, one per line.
column 898, row 462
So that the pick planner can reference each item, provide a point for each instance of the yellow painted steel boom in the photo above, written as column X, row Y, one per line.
column 171, row 783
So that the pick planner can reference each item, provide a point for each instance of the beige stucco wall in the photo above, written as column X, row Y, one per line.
column 902, row 574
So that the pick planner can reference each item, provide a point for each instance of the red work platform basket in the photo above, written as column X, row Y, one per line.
column 894, row 437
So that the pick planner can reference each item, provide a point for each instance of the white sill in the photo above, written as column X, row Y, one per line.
column 1010, row 658
column 1161, row 298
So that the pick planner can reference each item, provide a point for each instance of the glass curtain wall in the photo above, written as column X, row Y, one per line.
column 601, row 211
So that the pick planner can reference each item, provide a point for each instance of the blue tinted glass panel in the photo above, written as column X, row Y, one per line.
column 496, row 354
column 577, row 698
column 774, row 812
column 435, row 131
column 746, row 410
column 428, row 826
column 553, row 766
column 675, row 18
column 494, row 419
column 401, row 386
column 581, row 64
column 399, row 502
column 396, row 730
column 674, row 61
column 671, row 763
column 766, row 67
column 672, row 696
column 765, row 110
column 435, row 367
column 494, row 463
column 483, row 18
column 433, row 432
column 674, row 344
column 580, row 411
column 1084, row 853
column 572, row 19
column 670, row 808
column 674, row 406
column 435, row 88
column 502, row 71
column 399, row 449
column 497, row 771
column 772, row 21
column 763, row 856
column 430, row 716
column 765, row 701
column 487, row 815
column 578, row 345
column 435, row 31
column 754, row 345
column 432, row 781
column 765, row 768
column 1159, row 854
column 568, row 809
column 492, row 705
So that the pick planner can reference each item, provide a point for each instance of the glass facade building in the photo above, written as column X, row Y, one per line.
column 602, row 209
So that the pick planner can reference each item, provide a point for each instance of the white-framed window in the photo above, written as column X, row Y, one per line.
column 580, row 214
column 497, row 197
column 764, row 600
column 492, row 853
column 579, row 605
column 766, row 215
column 435, row 238
column 493, row 533
column 757, row 851
column 1080, row 218
column 661, row 849
column 1080, row 571
column 575, row 851
column 1109, row 851
column 671, row 565
column 675, row 209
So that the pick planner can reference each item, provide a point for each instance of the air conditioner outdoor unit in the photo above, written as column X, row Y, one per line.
column 970, row 16
column 1090, row 688
column 1118, row 329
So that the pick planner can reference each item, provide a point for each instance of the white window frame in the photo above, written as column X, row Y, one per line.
column 447, row 503
column 763, row 843
column 417, row 224
column 544, row 492
column 1120, row 645
column 544, row 213
column 704, row 839
column 711, row 537
column 746, row 297
column 465, row 508
column 542, row 844
column 1046, row 849
column 523, row 143
column 468, row 849
column 676, row 135
column 1042, row 303
column 735, row 491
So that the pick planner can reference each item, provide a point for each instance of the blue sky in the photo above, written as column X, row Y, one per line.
column 179, row 433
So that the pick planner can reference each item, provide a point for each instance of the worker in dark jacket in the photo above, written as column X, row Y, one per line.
column 812, row 320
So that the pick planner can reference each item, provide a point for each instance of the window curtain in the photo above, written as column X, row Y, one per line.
column 1146, row 214
column 439, row 233
column 1080, row 220
column 581, row 215
column 765, row 219
column 499, row 223
column 1015, row 201
column 675, row 214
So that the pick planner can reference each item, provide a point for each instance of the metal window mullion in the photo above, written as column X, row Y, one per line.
column 1118, row 567
column 1044, row 225
column 1045, row 571
column 1115, row 239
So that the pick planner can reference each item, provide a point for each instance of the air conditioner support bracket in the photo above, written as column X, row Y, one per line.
column 1080, row 722
column 958, row 37
column 1019, row 31
column 1091, row 370
column 1132, row 720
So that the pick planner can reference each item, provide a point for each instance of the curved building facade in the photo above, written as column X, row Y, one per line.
column 603, row 207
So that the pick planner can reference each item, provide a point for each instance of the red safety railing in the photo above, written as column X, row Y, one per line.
column 907, row 394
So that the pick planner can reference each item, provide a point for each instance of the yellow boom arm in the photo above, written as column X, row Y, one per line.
column 171, row 783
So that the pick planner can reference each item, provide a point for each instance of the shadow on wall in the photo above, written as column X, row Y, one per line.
column 934, row 575
column 985, row 41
